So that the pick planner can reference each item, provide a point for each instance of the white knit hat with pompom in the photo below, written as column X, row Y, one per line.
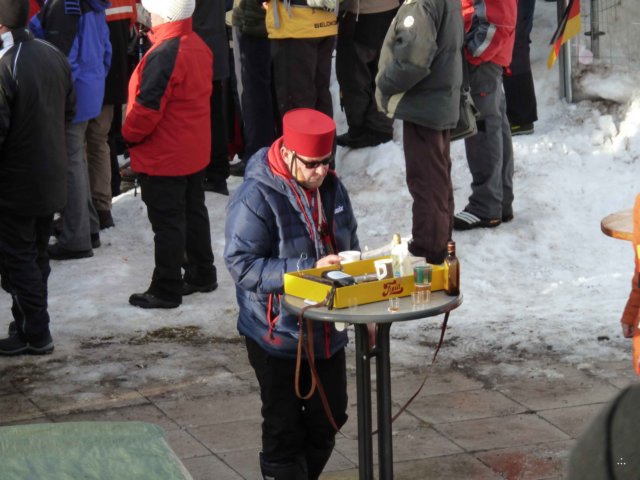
column 170, row 10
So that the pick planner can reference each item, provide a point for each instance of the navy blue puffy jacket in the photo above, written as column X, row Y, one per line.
column 267, row 235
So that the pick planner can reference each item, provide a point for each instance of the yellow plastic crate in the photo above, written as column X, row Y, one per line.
column 359, row 294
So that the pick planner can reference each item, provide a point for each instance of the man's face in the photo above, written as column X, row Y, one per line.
column 309, row 172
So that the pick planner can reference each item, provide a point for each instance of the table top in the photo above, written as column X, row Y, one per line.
column 377, row 312
column 618, row 225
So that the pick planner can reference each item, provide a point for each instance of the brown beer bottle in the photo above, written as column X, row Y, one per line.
column 451, row 271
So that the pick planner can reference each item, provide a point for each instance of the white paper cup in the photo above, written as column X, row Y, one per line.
column 349, row 256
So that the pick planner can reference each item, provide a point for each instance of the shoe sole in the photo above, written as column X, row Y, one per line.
column 71, row 255
column 476, row 225
column 482, row 223
column 522, row 132
column 29, row 350
column 156, row 305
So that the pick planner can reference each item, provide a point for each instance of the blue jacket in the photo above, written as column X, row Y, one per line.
column 79, row 29
column 267, row 235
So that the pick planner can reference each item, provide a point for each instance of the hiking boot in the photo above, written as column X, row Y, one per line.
column 216, row 185
column 95, row 240
column 13, row 329
column 507, row 217
column 367, row 138
column 524, row 129
column 237, row 169
column 465, row 220
column 58, row 252
column 106, row 220
column 57, row 227
column 189, row 288
column 149, row 300
column 16, row 345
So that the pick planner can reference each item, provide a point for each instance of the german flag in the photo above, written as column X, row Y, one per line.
column 568, row 27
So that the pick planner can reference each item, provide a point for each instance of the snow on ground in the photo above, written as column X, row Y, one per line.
column 549, row 282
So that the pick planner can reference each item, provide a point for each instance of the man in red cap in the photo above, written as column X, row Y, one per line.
column 290, row 213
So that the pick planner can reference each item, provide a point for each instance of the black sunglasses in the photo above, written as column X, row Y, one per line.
column 312, row 165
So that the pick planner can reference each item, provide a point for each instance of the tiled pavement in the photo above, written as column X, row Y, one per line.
column 467, row 423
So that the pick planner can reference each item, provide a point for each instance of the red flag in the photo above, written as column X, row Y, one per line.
column 568, row 27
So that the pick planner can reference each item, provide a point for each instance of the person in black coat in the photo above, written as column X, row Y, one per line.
column 34, row 110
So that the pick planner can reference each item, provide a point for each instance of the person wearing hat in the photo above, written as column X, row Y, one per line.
column 290, row 213
column 34, row 110
column 167, row 127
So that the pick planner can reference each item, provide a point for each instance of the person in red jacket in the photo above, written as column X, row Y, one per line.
column 167, row 127
column 490, row 33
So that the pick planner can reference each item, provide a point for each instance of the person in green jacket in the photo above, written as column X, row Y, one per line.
column 418, row 81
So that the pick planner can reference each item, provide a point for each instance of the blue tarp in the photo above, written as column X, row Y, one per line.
column 88, row 451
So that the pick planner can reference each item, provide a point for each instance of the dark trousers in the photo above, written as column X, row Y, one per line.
column 302, row 73
column 357, row 53
column 518, row 86
column 428, row 165
column 218, row 168
column 24, row 269
column 257, row 99
column 294, row 429
column 180, row 222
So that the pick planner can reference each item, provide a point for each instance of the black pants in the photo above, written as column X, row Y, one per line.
column 518, row 86
column 218, row 168
column 257, row 99
column 360, row 39
column 180, row 222
column 294, row 429
column 24, row 269
column 428, row 164
column 302, row 73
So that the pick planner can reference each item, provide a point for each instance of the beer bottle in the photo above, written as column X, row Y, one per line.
column 451, row 271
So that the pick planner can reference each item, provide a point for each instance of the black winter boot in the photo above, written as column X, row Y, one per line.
column 296, row 470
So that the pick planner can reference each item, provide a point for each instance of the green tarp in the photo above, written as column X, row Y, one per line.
column 88, row 451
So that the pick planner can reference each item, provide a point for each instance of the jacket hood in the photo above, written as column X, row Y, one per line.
column 258, row 169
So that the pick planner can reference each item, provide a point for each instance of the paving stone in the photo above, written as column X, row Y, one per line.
column 229, row 436
column 529, row 463
column 142, row 413
column 7, row 388
column 245, row 462
column 572, row 420
column 454, row 467
column 59, row 402
column 404, row 385
column 412, row 439
column 338, row 462
column 185, row 445
column 545, row 393
column 212, row 409
column 28, row 421
column 17, row 408
column 501, row 432
column 221, row 380
column 457, row 406
column 210, row 467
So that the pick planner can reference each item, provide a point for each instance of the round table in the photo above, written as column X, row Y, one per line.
column 360, row 316
column 618, row 225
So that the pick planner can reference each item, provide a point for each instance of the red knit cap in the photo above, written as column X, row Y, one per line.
column 308, row 132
